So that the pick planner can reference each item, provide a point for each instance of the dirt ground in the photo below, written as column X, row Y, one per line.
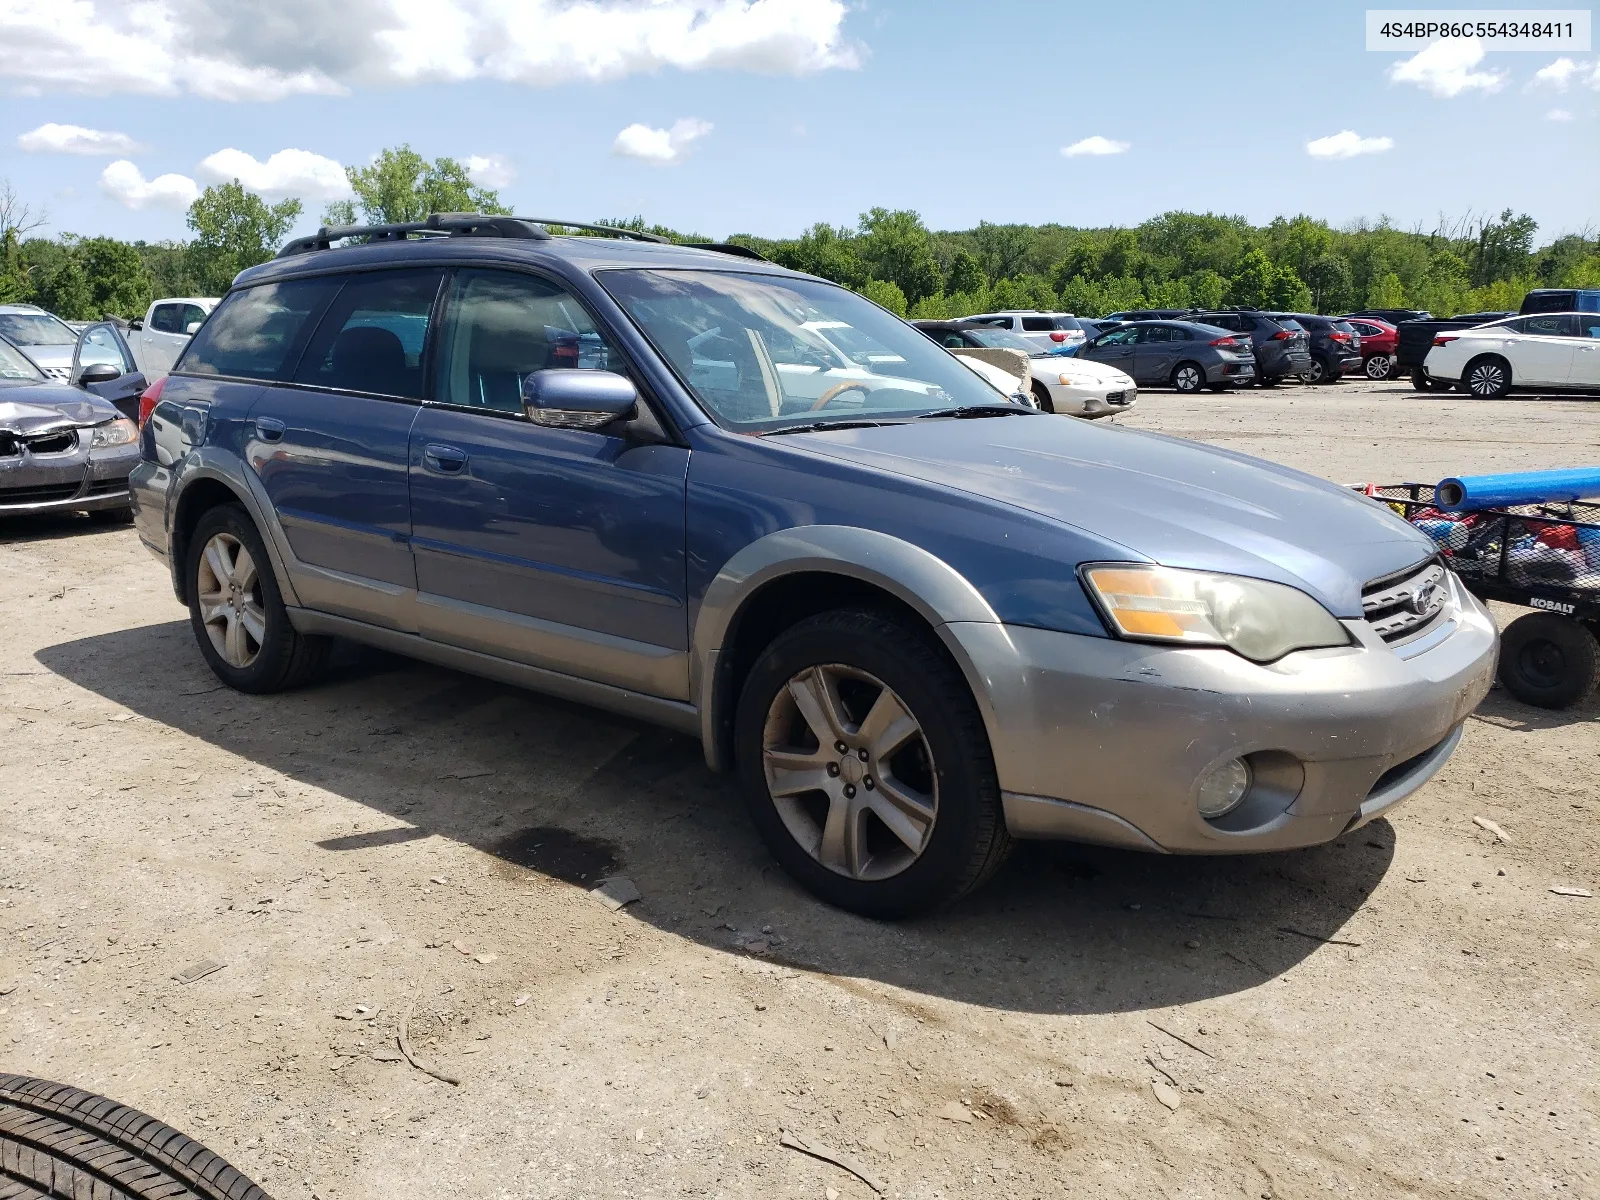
column 1407, row 1012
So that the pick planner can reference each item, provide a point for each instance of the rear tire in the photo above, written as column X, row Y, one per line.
column 1188, row 377
column 1549, row 661
column 59, row 1142
column 1487, row 377
column 1423, row 382
column 842, row 808
column 1320, row 372
column 236, row 611
column 1379, row 366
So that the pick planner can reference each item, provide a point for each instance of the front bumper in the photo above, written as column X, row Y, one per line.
column 1099, row 400
column 1106, row 741
column 81, row 481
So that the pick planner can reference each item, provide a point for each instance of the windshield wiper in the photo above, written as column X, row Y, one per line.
column 819, row 426
column 980, row 410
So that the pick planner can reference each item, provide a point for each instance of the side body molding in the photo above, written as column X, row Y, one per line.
column 924, row 582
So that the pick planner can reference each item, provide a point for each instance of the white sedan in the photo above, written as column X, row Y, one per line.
column 1060, row 383
column 1544, row 350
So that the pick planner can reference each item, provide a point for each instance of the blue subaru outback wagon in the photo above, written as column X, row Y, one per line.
column 918, row 619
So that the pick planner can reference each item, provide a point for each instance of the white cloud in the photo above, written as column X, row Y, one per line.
column 1445, row 68
column 1094, row 145
column 490, row 170
column 51, row 138
column 124, row 183
column 1558, row 114
column 1347, row 144
column 268, row 49
column 662, row 147
column 1557, row 75
column 287, row 173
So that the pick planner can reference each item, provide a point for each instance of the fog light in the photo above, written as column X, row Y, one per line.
column 1222, row 788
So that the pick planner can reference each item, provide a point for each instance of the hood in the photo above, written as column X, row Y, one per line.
column 1086, row 368
column 1170, row 501
column 50, row 356
column 38, row 407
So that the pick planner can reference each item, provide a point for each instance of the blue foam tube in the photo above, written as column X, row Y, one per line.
column 1470, row 493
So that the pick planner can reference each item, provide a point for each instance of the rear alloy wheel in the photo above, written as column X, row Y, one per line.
column 1320, row 372
column 237, row 614
column 1487, row 378
column 1548, row 660
column 1188, row 377
column 866, row 766
column 1379, row 366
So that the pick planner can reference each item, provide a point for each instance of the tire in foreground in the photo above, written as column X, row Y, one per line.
column 62, row 1143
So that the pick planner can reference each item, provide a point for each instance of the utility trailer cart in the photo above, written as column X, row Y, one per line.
column 1541, row 556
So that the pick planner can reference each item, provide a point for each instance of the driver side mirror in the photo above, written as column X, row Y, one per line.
column 135, row 325
column 568, row 398
column 97, row 373
column 192, row 328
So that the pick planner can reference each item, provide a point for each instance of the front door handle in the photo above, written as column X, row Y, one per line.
column 446, row 460
column 269, row 429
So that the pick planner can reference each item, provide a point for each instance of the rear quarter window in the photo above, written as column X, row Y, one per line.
column 258, row 332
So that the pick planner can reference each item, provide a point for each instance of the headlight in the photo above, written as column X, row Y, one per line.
column 1261, row 621
column 114, row 433
column 1073, row 381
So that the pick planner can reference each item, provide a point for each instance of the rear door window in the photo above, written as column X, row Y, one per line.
column 373, row 336
column 258, row 332
column 1562, row 325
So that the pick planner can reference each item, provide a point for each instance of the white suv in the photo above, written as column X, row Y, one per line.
column 1048, row 331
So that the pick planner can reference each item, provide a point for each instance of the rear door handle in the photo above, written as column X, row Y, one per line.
column 269, row 429
column 446, row 460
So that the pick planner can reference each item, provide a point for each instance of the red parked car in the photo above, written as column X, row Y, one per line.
column 1379, row 342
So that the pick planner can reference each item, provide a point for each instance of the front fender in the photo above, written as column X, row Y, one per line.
column 925, row 583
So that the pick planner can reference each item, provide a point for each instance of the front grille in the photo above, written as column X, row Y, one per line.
column 1399, row 606
column 38, row 495
column 1116, row 397
column 59, row 442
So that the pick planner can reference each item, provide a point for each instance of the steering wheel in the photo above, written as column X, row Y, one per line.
column 837, row 390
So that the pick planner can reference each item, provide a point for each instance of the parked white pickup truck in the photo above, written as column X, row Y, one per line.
column 166, row 329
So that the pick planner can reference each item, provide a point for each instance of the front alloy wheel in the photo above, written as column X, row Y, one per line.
column 228, row 587
column 850, row 772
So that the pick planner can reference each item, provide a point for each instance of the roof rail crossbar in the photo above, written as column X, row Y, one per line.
column 637, row 235
column 728, row 248
column 437, row 224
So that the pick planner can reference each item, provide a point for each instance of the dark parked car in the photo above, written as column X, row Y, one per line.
column 918, row 619
column 1335, row 346
column 102, row 363
column 1393, row 316
column 1282, row 347
column 1415, row 339
column 61, row 449
column 1179, row 354
column 1153, row 314
column 1560, row 300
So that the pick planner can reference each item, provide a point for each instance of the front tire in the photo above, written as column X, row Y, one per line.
column 1041, row 398
column 237, row 612
column 866, row 766
column 1549, row 661
column 1487, row 377
column 1188, row 377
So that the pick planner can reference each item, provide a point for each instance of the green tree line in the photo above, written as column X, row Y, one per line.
column 1175, row 260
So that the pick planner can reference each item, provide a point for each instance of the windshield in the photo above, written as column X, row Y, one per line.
column 1004, row 339
column 35, row 329
column 762, row 352
column 15, row 365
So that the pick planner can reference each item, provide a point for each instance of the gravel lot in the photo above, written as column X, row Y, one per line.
column 1408, row 1012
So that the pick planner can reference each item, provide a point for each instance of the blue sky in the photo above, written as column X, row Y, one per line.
column 815, row 110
